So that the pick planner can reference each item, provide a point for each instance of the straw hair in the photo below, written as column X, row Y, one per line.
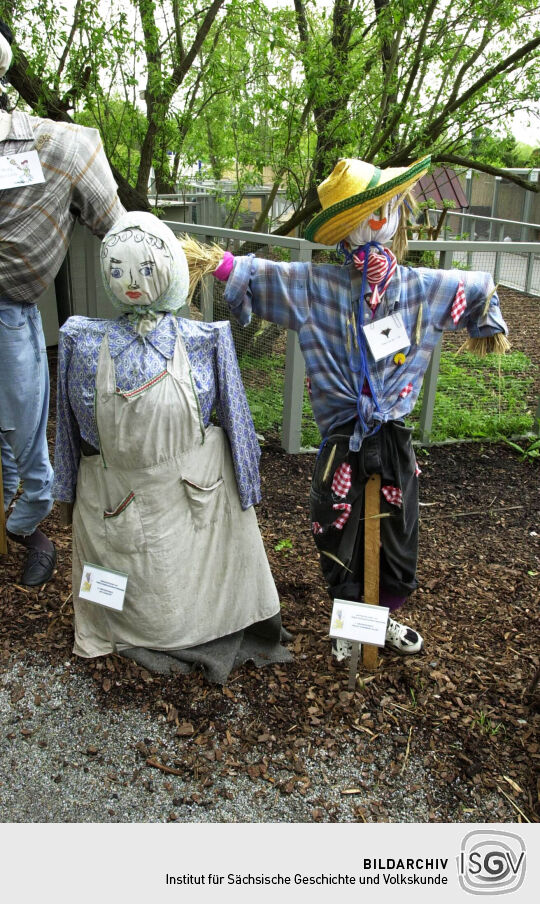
column 201, row 260
column 353, row 190
column 486, row 345
column 400, row 241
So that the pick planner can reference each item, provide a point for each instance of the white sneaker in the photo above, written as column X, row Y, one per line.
column 403, row 639
column 341, row 649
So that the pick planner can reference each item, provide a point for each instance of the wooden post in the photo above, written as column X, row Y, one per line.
column 372, row 535
column 3, row 535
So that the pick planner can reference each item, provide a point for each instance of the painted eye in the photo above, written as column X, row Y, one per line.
column 146, row 270
column 116, row 272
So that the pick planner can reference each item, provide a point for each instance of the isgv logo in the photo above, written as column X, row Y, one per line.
column 491, row 863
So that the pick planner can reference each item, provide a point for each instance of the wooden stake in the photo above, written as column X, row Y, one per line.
column 3, row 535
column 372, row 538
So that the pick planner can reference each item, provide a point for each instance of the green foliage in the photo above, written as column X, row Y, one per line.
column 480, row 397
column 529, row 452
column 122, row 127
column 242, row 86
column 486, row 724
column 264, row 380
column 284, row 545
column 499, row 148
column 476, row 398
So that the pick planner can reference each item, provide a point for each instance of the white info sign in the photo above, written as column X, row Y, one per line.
column 107, row 588
column 360, row 622
column 386, row 336
column 20, row 169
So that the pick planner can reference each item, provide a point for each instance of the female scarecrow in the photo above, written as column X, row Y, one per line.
column 160, row 493
column 367, row 331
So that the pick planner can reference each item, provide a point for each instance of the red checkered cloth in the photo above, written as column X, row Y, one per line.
column 393, row 495
column 341, row 483
column 406, row 390
column 316, row 527
column 345, row 509
column 459, row 304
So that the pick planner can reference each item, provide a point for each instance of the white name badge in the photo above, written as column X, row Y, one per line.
column 387, row 336
column 361, row 622
column 20, row 169
column 107, row 588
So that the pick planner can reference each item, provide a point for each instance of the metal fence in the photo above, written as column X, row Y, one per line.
column 473, row 226
column 517, row 268
column 270, row 358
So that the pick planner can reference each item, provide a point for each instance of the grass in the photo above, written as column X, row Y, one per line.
column 476, row 397
column 480, row 397
column 263, row 380
column 486, row 725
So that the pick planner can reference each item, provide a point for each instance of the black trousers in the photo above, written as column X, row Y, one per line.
column 389, row 453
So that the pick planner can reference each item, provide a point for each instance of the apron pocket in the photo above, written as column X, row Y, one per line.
column 207, row 505
column 123, row 527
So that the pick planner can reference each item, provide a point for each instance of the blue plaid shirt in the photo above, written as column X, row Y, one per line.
column 215, row 372
column 321, row 302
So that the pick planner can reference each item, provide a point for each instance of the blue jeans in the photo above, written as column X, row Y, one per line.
column 24, row 408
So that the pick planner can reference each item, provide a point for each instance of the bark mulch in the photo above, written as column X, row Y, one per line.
column 465, row 710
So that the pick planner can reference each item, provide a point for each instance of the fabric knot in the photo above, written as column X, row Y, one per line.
column 379, row 263
column 145, row 322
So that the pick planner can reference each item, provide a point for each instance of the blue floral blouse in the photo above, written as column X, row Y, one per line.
column 215, row 372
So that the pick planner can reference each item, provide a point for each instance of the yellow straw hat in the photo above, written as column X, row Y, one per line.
column 353, row 190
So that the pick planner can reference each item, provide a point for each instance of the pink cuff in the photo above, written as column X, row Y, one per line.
column 223, row 270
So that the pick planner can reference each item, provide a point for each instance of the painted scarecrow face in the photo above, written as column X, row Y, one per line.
column 379, row 226
column 137, row 266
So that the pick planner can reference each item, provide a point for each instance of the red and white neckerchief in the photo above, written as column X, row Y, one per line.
column 341, row 483
column 393, row 495
column 345, row 509
column 459, row 303
column 380, row 267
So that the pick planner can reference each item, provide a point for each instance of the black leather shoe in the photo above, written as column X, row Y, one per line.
column 38, row 567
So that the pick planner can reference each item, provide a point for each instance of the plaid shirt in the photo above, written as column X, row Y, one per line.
column 321, row 302
column 36, row 221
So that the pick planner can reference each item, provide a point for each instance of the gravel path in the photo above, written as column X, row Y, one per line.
column 66, row 758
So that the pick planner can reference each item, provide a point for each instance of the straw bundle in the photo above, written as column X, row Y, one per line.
column 488, row 345
column 201, row 260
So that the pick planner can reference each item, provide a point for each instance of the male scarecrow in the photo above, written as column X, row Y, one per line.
column 367, row 330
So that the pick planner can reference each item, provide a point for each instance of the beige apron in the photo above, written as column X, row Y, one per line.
column 161, row 504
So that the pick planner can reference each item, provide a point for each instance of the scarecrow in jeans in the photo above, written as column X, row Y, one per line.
column 367, row 330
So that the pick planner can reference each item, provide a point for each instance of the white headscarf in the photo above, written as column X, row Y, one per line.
column 144, row 269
